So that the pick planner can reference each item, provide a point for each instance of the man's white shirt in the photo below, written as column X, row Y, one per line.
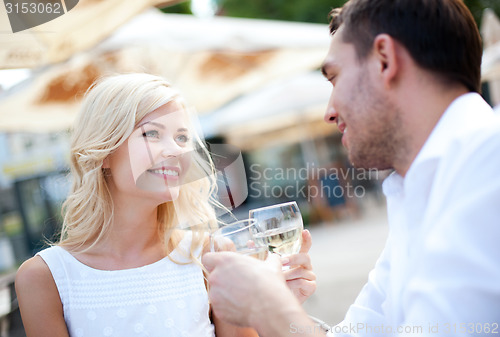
column 439, row 273
column 497, row 109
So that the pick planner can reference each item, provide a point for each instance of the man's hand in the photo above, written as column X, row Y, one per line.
column 248, row 292
column 241, row 286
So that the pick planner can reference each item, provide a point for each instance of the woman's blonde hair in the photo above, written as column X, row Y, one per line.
column 110, row 112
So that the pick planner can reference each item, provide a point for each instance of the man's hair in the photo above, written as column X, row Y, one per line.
column 440, row 35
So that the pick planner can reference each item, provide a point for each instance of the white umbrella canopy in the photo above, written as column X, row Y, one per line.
column 286, row 111
column 490, row 68
column 210, row 61
column 88, row 23
column 490, row 28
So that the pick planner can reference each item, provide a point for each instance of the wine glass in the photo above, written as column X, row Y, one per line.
column 239, row 237
column 280, row 227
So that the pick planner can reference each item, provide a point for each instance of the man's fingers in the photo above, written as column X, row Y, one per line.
column 211, row 260
column 274, row 260
column 306, row 241
column 224, row 258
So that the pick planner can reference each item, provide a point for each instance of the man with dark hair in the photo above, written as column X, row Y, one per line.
column 405, row 77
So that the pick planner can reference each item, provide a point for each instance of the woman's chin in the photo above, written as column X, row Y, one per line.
column 162, row 191
column 160, row 195
column 171, row 194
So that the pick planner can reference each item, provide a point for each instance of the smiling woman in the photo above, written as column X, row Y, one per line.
column 130, row 124
column 125, row 261
column 157, row 154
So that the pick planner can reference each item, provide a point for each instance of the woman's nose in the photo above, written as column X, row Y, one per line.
column 172, row 149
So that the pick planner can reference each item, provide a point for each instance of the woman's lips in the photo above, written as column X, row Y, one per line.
column 171, row 173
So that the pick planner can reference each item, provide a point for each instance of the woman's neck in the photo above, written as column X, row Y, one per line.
column 131, row 241
column 133, row 230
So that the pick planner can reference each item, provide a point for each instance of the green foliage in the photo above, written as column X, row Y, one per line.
column 290, row 10
column 303, row 10
column 477, row 7
column 181, row 8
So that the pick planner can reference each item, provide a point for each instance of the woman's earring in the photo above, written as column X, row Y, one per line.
column 106, row 172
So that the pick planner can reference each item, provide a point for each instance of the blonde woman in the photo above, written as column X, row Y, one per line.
column 124, row 264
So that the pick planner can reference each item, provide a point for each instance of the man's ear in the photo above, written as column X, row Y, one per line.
column 385, row 50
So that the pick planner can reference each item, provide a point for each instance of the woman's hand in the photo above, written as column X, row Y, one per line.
column 300, row 278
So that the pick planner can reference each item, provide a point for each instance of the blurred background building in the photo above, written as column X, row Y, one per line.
column 250, row 69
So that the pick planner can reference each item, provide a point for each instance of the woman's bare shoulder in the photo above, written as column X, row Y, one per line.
column 33, row 269
column 35, row 284
column 39, row 301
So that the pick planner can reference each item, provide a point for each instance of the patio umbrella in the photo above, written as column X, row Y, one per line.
column 88, row 23
column 490, row 68
column 210, row 61
column 288, row 110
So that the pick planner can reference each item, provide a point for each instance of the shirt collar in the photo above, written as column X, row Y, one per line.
column 393, row 185
column 465, row 113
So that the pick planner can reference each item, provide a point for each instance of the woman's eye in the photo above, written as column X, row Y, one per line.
column 182, row 138
column 151, row 134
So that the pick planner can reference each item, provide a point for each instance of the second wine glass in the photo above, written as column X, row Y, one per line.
column 280, row 227
column 239, row 237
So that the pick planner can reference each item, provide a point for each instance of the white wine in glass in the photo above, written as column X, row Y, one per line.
column 239, row 237
column 280, row 227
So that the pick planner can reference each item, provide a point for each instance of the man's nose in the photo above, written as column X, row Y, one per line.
column 331, row 115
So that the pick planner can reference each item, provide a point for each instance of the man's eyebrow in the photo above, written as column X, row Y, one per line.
column 182, row 130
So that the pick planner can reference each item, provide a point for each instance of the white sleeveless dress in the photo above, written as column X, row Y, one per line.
column 160, row 299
